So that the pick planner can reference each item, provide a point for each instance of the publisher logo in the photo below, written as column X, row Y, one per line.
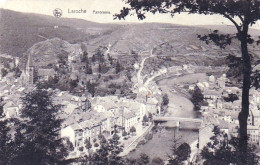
column 57, row 13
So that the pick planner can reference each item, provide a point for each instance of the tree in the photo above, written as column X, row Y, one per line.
column 108, row 153
column 235, row 68
column 183, row 152
column 165, row 100
column 89, row 69
column 37, row 137
column 102, row 68
column 197, row 98
column 143, row 159
column 85, row 57
column 222, row 150
column 157, row 161
column 4, row 72
column 91, row 88
column 73, row 84
column 2, row 108
column 118, row 67
column 124, row 133
column 132, row 129
column 178, row 158
column 110, row 59
column 145, row 119
column 115, row 149
column 172, row 157
column 68, row 144
column 7, row 146
column 17, row 72
column 231, row 97
column 150, row 116
column 88, row 145
column 242, row 14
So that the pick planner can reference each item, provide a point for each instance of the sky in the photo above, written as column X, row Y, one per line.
column 46, row 7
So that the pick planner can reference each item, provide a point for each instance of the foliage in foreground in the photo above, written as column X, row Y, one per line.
column 222, row 150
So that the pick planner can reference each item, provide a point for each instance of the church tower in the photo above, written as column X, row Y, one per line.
column 29, row 70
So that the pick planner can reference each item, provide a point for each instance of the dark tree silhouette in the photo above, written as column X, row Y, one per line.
column 132, row 129
column 118, row 67
column 145, row 119
column 180, row 152
column 7, row 146
column 107, row 153
column 84, row 57
column 157, row 161
column 88, row 145
column 37, row 136
column 91, row 88
column 242, row 13
column 143, row 159
column 165, row 99
column 4, row 72
column 235, row 68
column 197, row 98
column 224, row 150
column 231, row 97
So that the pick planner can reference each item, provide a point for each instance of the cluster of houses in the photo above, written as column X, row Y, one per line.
column 84, row 117
column 224, row 114
column 105, row 116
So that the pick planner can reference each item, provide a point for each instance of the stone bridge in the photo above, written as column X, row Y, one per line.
column 176, row 120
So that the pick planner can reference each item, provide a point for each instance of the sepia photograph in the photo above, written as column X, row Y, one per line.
column 129, row 82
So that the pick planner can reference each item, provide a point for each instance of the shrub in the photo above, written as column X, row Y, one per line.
column 124, row 133
column 81, row 149
column 100, row 136
column 157, row 161
column 142, row 142
column 4, row 72
column 96, row 145
column 148, row 136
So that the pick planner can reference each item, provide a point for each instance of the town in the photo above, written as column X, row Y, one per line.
column 130, row 82
column 86, row 117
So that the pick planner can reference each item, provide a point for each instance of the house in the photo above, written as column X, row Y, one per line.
column 221, row 82
column 130, row 119
column 212, row 79
column 33, row 73
column 44, row 74
column 223, row 126
column 69, row 108
column 69, row 133
column 11, row 109
column 99, row 108
column 205, row 133
column 212, row 94
column 234, row 117
column 253, row 132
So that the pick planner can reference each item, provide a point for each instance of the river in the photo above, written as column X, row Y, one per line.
column 179, row 106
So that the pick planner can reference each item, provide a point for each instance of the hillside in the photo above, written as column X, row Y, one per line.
column 19, row 31
column 22, row 34
column 46, row 52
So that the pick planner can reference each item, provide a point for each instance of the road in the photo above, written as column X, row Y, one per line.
column 139, row 78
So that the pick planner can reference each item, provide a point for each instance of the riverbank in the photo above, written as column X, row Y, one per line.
column 141, row 132
column 162, row 141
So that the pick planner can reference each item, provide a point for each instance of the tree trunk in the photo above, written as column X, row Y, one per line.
column 243, row 115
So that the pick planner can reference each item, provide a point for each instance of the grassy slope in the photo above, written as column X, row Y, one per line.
column 19, row 31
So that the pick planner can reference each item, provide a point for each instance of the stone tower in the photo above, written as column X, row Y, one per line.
column 29, row 70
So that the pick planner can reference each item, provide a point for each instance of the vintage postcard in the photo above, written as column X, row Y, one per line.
column 129, row 82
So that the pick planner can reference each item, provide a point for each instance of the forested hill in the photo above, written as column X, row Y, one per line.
column 20, row 31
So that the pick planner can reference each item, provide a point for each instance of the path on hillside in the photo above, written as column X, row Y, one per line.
column 139, row 78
